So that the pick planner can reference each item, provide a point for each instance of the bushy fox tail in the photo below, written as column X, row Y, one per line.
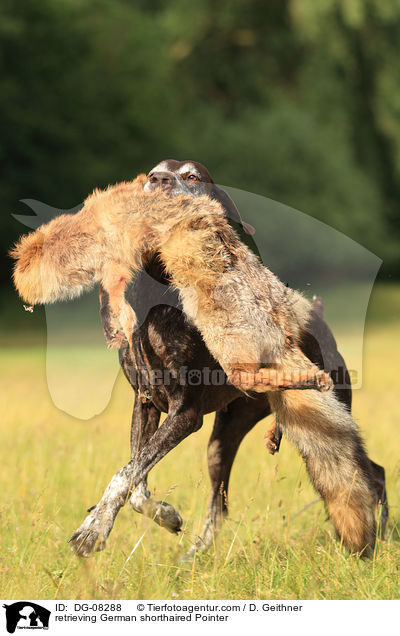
column 328, row 439
column 27, row 273
column 49, row 267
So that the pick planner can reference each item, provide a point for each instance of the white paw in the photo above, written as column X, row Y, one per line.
column 91, row 536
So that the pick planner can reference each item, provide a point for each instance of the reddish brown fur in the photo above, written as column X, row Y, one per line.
column 328, row 439
column 105, row 243
column 246, row 316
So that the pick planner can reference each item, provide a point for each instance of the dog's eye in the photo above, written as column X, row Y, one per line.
column 192, row 177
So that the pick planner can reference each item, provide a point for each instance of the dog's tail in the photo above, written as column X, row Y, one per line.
column 50, row 266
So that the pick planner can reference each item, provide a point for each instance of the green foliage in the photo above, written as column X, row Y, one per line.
column 293, row 99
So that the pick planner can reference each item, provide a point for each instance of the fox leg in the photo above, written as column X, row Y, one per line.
column 122, row 318
column 330, row 444
column 295, row 372
column 281, row 379
column 128, row 320
column 272, row 438
column 112, row 327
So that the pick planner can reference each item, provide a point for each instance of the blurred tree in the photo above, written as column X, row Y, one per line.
column 355, row 43
column 293, row 99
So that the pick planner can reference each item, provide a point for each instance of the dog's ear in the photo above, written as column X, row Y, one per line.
column 245, row 230
column 232, row 212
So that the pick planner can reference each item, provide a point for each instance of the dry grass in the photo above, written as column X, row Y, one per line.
column 273, row 546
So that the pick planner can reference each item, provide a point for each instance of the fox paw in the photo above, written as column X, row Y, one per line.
column 324, row 381
column 271, row 441
column 116, row 339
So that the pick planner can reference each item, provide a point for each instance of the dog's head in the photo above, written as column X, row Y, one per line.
column 192, row 178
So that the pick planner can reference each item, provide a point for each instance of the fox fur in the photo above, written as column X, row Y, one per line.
column 248, row 318
column 245, row 326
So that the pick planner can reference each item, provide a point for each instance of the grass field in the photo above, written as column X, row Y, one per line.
column 274, row 544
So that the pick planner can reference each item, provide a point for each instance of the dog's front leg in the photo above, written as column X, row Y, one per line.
column 145, row 421
column 92, row 534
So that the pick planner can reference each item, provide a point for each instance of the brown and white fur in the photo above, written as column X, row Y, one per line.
column 247, row 317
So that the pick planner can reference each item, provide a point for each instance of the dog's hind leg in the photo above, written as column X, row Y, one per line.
column 145, row 419
column 93, row 533
column 230, row 427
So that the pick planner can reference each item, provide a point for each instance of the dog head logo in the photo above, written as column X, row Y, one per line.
column 26, row 615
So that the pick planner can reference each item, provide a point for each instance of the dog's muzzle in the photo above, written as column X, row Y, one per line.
column 167, row 181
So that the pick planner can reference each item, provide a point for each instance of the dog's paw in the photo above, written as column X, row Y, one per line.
column 167, row 517
column 91, row 536
column 161, row 512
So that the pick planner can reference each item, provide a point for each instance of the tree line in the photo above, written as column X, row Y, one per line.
column 293, row 99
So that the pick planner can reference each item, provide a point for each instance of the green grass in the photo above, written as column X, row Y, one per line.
column 273, row 545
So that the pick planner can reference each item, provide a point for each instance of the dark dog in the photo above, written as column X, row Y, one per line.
column 166, row 343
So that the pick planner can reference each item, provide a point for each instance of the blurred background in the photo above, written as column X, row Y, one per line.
column 291, row 99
